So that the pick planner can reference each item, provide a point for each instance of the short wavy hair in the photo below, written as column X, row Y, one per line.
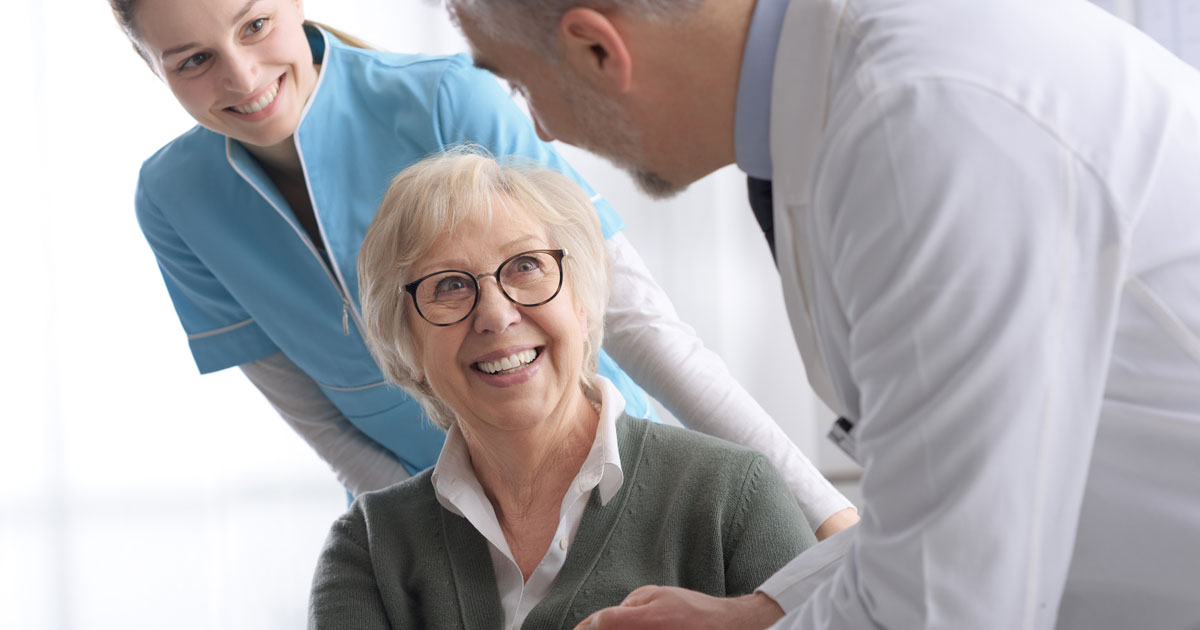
column 433, row 197
column 532, row 23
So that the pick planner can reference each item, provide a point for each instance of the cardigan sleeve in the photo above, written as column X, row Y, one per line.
column 345, row 593
column 767, row 529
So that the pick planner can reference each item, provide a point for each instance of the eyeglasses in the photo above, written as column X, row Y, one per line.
column 447, row 297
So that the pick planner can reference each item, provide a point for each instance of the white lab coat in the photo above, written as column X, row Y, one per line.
column 987, row 219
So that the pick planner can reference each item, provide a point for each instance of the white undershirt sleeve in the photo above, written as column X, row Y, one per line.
column 360, row 463
column 663, row 354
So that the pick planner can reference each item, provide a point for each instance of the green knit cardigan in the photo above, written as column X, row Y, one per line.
column 693, row 511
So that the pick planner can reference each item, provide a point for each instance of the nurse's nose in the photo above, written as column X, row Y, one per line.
column 241, row 73
column 494, row 312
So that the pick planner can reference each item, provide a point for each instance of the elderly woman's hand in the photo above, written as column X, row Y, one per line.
column 651, row 607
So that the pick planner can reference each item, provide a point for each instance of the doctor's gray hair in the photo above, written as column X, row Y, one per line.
column 428, row 201
column 532, row 23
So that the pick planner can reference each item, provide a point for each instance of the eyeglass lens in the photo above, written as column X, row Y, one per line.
column 528, row 279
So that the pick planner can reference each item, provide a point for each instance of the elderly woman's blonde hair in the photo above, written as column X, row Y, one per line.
column 430, row 199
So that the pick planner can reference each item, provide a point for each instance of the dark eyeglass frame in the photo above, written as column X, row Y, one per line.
column 557, row 254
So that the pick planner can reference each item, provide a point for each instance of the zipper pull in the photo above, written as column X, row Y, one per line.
column 345, row 320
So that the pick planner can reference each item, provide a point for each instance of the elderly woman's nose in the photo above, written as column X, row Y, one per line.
column 494, row 312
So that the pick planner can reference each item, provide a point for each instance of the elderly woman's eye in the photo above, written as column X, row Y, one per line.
column 526, row 264
column 448, row 288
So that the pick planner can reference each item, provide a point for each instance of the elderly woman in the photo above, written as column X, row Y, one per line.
column 483, row 288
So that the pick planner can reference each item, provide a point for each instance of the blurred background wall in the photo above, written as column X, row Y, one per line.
column 136, row 494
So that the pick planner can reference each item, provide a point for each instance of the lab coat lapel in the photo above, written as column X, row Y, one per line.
column 799, row 102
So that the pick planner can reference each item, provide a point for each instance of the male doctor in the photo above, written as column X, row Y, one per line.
column 986, row 220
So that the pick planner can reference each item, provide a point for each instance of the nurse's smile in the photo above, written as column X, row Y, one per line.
column 260, row 105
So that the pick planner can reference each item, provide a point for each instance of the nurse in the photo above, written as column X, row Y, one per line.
column 256, row 216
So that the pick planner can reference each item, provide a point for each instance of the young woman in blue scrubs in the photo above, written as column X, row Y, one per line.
column 256, row 216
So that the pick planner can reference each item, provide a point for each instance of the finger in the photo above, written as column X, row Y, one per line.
column 642, row 595
column 616, row 618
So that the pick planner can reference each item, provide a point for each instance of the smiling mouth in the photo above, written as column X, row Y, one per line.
column 514, row 362
column 261, row 102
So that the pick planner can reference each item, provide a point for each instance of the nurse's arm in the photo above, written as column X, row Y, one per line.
column 663, row 354
column 360, row 463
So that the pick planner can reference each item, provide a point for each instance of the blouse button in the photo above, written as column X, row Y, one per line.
column 562, row 542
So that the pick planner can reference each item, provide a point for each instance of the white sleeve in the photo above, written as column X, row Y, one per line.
column 360, row 463
column 967, row 273
column 664, row 355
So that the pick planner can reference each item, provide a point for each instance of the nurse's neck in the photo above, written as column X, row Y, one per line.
column 282, row 164
column 281, row 161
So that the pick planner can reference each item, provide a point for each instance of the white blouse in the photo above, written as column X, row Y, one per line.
column 458, row 490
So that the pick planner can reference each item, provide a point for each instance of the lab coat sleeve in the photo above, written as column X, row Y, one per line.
column 967, row 295
column 360, row 463
column 663, row 354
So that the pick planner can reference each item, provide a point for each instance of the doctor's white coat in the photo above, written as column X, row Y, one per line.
column 987, row 220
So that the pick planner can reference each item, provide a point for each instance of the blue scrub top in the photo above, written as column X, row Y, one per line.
column 245, row 278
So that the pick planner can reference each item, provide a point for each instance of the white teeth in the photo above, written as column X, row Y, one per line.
column 267, row 98
column 510, row 363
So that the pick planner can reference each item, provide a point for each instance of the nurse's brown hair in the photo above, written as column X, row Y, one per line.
column 125, row 10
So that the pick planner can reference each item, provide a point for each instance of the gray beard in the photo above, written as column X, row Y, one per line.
column 607, row 132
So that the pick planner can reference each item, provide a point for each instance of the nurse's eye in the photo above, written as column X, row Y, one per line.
column 256, row 26
column 195, row 61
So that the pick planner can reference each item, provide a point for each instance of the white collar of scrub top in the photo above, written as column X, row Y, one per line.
column 800, row 92
column 458, row 489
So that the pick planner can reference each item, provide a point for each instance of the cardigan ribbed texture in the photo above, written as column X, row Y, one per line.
column 694, row 511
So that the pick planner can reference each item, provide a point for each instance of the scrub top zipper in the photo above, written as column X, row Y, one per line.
column 348, row 310
column 328, row 264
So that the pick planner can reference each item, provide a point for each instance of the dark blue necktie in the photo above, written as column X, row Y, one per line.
column 761, row 202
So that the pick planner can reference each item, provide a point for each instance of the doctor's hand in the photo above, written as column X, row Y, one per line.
column 671, row 607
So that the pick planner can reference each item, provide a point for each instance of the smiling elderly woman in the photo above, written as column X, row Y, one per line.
column 483, row 287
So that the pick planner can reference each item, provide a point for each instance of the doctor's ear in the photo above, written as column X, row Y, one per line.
column 595, row 48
